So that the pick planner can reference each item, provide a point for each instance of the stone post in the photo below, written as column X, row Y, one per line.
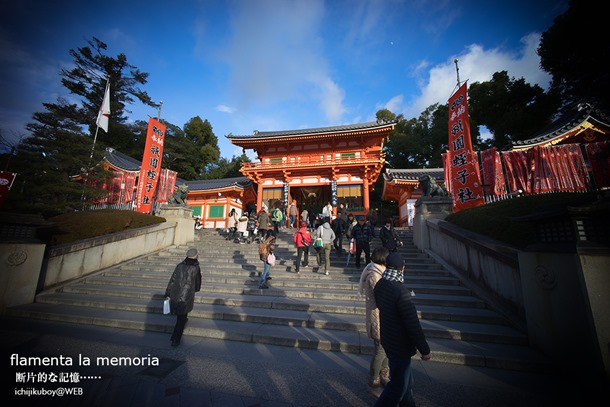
column 21, row 258
column 185, row 225
column 21, row 264
column 428, row 208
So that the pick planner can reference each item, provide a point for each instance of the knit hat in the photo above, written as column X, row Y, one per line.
column 395, row 261
column 359, row 218
column 191, row 253
column 303, row 224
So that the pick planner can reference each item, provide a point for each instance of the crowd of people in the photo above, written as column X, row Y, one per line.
column 391, row 318
column 328, row 231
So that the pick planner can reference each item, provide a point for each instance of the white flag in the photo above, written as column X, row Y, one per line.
column 104, row 114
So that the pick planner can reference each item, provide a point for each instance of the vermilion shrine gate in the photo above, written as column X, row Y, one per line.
column 338, row 164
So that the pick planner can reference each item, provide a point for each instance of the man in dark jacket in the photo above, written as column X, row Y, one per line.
column 338, row 225
column 400, row 331
column 363, row 233
column 185, row 281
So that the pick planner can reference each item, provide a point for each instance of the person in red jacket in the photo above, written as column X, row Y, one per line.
column 302, row 240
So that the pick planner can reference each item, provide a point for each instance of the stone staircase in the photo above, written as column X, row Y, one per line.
column 306, row 310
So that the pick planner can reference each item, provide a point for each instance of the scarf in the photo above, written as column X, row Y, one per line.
column 393, row 275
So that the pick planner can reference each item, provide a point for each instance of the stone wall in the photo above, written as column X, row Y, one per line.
column 489, row 267
column 71, row 261
column 557, row 293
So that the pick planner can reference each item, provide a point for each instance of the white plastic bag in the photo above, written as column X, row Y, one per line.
column 271, row 259
column 166, row 306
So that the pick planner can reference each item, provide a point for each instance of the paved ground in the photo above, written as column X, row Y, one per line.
column 205, row 372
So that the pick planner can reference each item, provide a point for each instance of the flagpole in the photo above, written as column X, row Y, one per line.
column 104, row 110
column 97, row 127
column 93, row 146
column 457, row 71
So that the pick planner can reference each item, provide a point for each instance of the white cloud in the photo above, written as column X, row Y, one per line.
column 275, row 57
column 331, row 99
column 475, row 64
column 394, row 104
column 225, row 109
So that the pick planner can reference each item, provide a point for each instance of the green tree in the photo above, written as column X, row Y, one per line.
column 201, row 134
column 179, row 153
column 59, row 147
column 88, row 81
column 225, row 168
column 510, row 108
column 192, row 150
column 420, row 143
column 573, row 49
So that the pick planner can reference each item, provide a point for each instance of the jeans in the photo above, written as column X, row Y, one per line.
column 400, row 389
column 276, row 226
column 300, row 251
column 292, row 220
column 266, row 271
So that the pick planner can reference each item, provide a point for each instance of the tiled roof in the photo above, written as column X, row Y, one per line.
column 212, row 184
column 304, row 132
column 121, row 160
column 569, row 121
column 413, row 174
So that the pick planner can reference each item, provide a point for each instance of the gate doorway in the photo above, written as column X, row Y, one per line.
column 312, row 198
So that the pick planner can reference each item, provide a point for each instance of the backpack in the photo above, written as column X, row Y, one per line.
column 263, row 250
column 277, row 215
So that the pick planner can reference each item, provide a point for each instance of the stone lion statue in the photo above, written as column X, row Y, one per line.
column 179, row 196
column 430, row 188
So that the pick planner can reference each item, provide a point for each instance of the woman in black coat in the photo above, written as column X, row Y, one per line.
column 181, row 289
column 388, row 236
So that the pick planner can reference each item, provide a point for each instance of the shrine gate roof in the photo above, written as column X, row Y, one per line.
column 121, row 161
column 569, row 122
column 262, row 135
column 216, row 184
column 413, row 174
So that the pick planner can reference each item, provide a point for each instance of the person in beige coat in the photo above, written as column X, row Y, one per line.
column 379, row 372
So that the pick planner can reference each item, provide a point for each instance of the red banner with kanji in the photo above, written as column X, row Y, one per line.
column 151, row 166
column 6, row 181
column 466, row 188
column 493, row 175
column 165, row 188
column 129, row 186
column 599, row 157
column 519, row 167
column 559, row 168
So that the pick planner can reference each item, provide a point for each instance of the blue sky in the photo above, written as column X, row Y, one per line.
column 268, row 65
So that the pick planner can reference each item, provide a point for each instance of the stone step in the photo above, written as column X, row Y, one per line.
column 339, row 306
column 447, row 329
column 438, row 328
column 466, row 301
column 445, row 349
column 306, row 310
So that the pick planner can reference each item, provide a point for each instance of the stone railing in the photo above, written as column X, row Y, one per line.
column 70, row 261
column 28, row 270
column 556, row 292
